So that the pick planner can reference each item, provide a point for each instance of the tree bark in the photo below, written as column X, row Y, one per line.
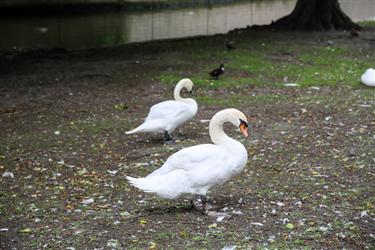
column 316, row 15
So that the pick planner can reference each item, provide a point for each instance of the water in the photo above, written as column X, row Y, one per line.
column 108, row 29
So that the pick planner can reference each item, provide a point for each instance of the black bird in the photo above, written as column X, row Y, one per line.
column 229, row 45
column 217, row 72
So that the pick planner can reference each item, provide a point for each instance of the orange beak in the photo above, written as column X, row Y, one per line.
column 243, row 129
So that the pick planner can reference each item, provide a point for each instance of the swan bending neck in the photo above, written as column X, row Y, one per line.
column 216, row 130
column 217, row 134
column 177, row 91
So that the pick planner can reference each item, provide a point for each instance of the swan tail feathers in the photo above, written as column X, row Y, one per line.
column 141, row 183
column 136, row 130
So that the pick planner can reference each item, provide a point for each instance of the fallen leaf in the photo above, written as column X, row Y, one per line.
column 214, row 225
column 143, row 222
column 25, row 230
column 82, row 171
column 152, row 246
column 289, row 226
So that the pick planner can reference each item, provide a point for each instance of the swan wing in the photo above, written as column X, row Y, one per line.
column 193, row 158
column 193, row 170
column 167, row 110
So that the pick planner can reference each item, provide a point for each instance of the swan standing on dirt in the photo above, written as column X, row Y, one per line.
column 194, row 170
column 166, row 116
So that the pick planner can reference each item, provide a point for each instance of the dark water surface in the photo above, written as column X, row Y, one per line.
column 116, row 28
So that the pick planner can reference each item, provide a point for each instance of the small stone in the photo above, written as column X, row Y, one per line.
column 88, row 201
column 229, row 247
column 280, row 204
column 364, row 213
column 238, row 212
column 323, row 229
column 220, row 218
column 125, row 214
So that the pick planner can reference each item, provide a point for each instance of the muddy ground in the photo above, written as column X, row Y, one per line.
column 309, row 182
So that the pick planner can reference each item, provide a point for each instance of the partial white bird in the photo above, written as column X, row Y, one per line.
column 368, row 78
column 165, row 117
column 194, row 170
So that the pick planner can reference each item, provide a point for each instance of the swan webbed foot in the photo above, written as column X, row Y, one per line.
column 206, row 207
column 203, row 206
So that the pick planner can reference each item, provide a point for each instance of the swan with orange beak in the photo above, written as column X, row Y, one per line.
column 192, row 171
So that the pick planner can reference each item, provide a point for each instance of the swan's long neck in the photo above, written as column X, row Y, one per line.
column 217, row 134
column 177, row 91
column 176, row 94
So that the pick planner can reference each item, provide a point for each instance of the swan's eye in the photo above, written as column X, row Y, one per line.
column 243, row 123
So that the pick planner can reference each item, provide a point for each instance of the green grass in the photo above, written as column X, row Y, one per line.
column 367, row 23
column 236, row 100
column 267, row 62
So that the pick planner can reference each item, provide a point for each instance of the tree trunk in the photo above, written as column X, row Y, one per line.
column 316, row 15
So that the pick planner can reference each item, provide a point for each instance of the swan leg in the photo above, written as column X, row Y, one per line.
column 192, row 205
column 204, row 204
column 167, row 137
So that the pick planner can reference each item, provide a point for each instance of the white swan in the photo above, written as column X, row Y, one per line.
column 368, row 78
column 194, row 170
column 165, row 117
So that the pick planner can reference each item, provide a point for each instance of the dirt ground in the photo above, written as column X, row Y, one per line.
column 309, row 182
